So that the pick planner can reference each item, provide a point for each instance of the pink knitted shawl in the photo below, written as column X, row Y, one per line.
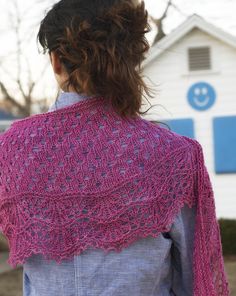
column 83, row 177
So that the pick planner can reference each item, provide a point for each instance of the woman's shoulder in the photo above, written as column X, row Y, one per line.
column 170, row 140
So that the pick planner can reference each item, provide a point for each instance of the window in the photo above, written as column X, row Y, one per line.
column 180, row 126
column 225, row 144
column 199, row 58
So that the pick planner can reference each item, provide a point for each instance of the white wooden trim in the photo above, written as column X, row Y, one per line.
column 194, row 21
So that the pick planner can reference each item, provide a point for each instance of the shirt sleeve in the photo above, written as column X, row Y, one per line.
column 196, row 252
column 182, row 235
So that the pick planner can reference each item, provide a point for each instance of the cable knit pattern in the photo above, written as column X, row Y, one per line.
column 83, row 177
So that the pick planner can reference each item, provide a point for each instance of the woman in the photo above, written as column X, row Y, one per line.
column 96, row 200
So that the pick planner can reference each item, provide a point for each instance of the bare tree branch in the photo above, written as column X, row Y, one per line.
column 8, row 97
column 159, row 21
column 24, row 77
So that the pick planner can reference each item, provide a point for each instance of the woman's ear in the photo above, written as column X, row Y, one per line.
column 56, row 63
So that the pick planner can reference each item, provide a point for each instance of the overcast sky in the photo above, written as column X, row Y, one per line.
column 219, row 12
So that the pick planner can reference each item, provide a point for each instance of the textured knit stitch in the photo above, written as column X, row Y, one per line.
column 150, row 266
column 103, row 182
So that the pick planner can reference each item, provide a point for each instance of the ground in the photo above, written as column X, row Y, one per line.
column 230, row 265
column 11, row 281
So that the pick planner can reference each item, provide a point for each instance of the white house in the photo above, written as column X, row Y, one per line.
column 193, row 70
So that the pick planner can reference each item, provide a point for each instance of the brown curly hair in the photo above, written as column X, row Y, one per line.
column 101, row 43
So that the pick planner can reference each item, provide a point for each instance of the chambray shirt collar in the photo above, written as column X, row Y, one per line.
column 68, row 98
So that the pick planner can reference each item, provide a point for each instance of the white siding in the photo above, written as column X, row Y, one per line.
column 169, row 72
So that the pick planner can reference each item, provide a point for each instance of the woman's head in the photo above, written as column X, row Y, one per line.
column 96, row 47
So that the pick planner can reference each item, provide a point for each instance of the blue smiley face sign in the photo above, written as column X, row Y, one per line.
column 201, row 96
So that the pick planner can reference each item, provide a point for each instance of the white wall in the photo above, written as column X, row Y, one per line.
column 169, row 72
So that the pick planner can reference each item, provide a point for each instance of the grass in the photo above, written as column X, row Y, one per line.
column 230, row 267
column 11, row 283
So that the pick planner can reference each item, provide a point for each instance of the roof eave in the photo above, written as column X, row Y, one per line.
column 195, row 21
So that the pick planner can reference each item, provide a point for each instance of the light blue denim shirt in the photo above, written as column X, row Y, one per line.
column 160, row 266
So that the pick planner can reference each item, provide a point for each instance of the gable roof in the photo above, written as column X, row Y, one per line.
column 194, row 21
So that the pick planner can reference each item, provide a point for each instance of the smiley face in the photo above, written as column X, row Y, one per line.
column 201, row 96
